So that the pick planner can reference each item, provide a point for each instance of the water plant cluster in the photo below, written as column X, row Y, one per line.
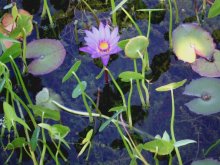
column 32, row 124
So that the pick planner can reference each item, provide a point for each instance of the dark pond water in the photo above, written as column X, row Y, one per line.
column 107, row 145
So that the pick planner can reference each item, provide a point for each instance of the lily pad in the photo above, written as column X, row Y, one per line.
column 208, row 68
column 190, row 40
column 48, row 55
column 208, row 92
column 206, row 162
column 135, row 46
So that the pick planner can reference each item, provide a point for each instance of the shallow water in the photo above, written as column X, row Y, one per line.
column 107, row 145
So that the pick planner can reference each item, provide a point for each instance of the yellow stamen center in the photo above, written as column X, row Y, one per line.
column 103, row 46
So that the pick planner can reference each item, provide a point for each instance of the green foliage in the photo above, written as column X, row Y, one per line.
column 123, row 43
column 11, row 117
column 74, row 68
column 159, row 147
column 34, row 138
column 127, row 76
column 136, row 47
column 119, row 6
column 215, row 9
column 16, row 143
column 86, row 142
column 14, row 51
column 81, row 87
column 46, row 112
column 171, row 86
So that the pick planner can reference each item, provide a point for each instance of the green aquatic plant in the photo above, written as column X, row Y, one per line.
column 215, row 9
column 45, row 11
column 170, row 87
column 207, row 92
column 48, row 55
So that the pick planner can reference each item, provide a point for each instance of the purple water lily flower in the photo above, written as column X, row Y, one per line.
column 101, row 43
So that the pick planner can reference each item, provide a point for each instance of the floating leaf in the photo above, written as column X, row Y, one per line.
column 79, row 89
column 74, row 68
column 208, row 92
column 17, row 143
column 215, row 9
column 206, row 162
column 190, row 40
column 135, row 46
column 129, row 75
column 208, row 68
column 171, row 86
column 48, row 55
column 161, row 147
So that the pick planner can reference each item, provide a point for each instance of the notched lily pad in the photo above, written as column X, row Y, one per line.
column 48, row 55
column 206, row 162
column 208, row 68
column 208, row 92
column 190, row 40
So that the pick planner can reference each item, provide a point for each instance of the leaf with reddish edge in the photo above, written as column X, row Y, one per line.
column 190, row 40
column 48, row 55
column 208, row 68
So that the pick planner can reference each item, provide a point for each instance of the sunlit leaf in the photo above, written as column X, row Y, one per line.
column 215, row 9
column 17, row 143
column 123, row 43
column 88, row 137
column 14, row 51
column 184, row 142
column 127, row 76
column 171, row 86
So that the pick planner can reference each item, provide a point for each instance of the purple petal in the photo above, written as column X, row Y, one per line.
column 107, row 32
column 114, row 41
column 101, row 31
column 87, row 49
column 91, row 42
column 96, row 33
column 114, row 33
column 105, row 60
column 115, row 50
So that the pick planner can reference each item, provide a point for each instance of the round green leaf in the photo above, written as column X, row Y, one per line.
column 135, row 45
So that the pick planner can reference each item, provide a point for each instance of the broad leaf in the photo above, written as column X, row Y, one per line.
column 48, row 113
column 60, row 130
column 161, row 147
column 17, row 143
column 14, row 51
column 215, row 9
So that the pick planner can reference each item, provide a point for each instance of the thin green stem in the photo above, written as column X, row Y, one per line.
column 135, row 24
column 24, row 50
column 129, row 105
column 114, row 20
column 117, row 86
column 149, row 25
column 93, row 103
column 58, row 148
column 93, row 13
column 170, row 24
column 86, row 114
column 172, row 128
column 44, row 142
column 48, row 13
column 170, row 159
column 176, row 11
column 21, row 81
column 84, row 98
column 33, row 157
column 138, row 85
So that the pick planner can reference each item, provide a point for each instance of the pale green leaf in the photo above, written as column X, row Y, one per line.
column 34, row 138
column 127, row 76
column 171, row 86
column 184, row 142
column 79, row 89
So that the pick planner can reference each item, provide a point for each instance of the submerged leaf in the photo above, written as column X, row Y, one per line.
column 48, row 55
column 81, row 87
column 206, row 162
